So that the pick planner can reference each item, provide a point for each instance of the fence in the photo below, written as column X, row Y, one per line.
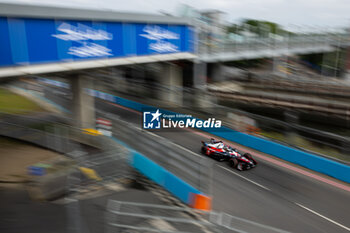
column 99, row 169
column 39, row 132
column 141, row 217
column 238, row 224
column 254, row 44
column 83, row 151
column 195, row 170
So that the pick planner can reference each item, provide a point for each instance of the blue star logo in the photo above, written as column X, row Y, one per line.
column 151, row 120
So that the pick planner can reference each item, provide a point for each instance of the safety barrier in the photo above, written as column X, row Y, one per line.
column 313, row 162
column 170, row 182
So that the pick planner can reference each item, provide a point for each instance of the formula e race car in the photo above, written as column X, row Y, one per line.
column 221, row 152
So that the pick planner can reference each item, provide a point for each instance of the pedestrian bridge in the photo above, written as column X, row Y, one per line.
column 253, row 48
column 37, row 39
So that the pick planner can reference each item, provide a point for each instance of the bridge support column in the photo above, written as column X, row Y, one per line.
column 202, row 99
column 83, row 107
column 170, row 78
column 217, row 74
column 292, row 118
column 200, row 75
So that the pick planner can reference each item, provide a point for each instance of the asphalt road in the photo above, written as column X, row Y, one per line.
column 274, row 193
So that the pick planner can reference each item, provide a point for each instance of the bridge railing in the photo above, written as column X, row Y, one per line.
column 255, row 43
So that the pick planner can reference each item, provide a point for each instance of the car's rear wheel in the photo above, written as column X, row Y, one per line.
column 203, row 150
column 233, row 162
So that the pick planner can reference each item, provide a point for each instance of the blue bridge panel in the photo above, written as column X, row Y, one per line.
column 32, row 41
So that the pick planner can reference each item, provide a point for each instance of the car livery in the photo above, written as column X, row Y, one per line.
column 221, row 152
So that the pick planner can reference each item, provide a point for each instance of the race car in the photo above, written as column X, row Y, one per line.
column 221, row 152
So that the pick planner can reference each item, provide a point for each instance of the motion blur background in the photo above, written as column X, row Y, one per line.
column 76, row 75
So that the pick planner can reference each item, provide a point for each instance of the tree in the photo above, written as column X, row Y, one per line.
column 259, row 27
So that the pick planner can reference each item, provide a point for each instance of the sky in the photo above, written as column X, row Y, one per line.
column 291, row 14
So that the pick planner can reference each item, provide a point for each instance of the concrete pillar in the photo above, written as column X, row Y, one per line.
column 200, row 75
column 292, row 118
column 83, row 107
column 201, row 98
column 170, row 78
column 217, row 74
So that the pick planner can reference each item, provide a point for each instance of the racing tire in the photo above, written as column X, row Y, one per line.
column 249, row 156
column 233, row 162
column 203, row 150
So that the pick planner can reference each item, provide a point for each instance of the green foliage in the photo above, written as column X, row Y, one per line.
column 259, row 27
column 16, row 104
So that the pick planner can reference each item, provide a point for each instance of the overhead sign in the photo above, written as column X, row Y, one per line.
column 25, row 41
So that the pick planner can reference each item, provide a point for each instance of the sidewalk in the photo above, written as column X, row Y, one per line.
column 81, row 213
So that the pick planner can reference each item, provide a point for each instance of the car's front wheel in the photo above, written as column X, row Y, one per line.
column 250, row 158
column 233, row 162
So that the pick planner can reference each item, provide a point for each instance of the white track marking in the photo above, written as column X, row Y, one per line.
column 320, row 215
column 253, row 182
column 168, row 141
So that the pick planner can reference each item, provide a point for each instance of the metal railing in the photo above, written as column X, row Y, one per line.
column 142, row 217
column 42, row 133
column 109, row 166
column 256, row 44
column 109, row 161
column 194, row 169
column 238, row 224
